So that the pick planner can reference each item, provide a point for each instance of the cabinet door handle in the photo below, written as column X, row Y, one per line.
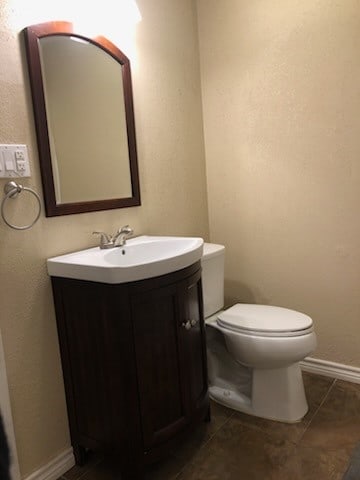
column 186, row 325
column 189, row 324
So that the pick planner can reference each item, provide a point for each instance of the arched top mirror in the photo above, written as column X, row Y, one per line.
column 84, row 116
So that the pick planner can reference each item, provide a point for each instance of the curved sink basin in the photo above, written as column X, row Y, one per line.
column 142, row 257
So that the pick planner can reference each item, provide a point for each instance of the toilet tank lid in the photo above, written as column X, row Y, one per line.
column 264, row 318
column 212, row 250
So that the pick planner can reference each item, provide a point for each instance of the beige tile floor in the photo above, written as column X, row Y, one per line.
column 235, row 446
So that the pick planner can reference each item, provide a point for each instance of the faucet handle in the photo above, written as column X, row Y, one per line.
column 126, row 229
column 104, row 238
column 122, row 234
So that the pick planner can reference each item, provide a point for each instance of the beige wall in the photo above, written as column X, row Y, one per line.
column 281, row 105
column 172, row 174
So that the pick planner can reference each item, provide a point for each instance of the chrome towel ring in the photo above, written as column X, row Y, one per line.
column 12, row 189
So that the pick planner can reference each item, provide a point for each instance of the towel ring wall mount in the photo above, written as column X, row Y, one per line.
column 12, row 190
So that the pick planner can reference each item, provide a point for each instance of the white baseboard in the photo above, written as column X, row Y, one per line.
column 331, row 369
column 55, row 468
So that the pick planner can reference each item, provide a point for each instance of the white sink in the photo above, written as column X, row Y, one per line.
column 142, row 257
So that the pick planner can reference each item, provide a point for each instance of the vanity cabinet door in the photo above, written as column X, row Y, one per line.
column 194, row 345
column 170, row 353
column 156, row 315
column 95, row 333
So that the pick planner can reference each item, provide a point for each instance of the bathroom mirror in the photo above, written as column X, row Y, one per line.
column 84, row 117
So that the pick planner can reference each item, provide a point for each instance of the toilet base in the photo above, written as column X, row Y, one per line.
column 277, row 394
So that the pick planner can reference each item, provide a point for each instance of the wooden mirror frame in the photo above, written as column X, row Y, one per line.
column 32, row 35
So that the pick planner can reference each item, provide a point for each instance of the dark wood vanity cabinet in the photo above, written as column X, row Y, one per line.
column 134, row 364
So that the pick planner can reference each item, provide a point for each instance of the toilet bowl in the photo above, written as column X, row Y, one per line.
column 254, row 350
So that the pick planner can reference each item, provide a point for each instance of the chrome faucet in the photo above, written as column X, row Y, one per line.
column 116, row 240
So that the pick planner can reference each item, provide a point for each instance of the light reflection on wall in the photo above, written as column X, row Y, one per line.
column 110, row 18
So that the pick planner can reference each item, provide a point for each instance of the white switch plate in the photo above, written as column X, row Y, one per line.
column 14, row 161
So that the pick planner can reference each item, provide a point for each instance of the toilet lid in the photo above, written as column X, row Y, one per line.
column 265, row 319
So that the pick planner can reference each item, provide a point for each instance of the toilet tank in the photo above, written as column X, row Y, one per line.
column 212, row 263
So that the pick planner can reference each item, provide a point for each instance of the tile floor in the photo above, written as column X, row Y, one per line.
column 235, row 446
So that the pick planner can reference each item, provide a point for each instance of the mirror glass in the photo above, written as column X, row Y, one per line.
column 82, row 97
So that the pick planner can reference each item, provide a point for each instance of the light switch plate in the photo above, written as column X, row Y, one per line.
column 14, row 161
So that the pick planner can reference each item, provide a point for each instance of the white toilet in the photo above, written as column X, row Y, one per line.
column 253, row 350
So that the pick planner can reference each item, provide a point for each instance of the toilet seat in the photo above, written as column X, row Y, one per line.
column 265, row 321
